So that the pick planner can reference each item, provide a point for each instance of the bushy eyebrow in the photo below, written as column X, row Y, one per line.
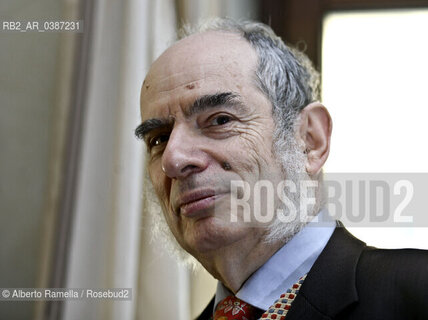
column 201, row 104
column 211, row 101
column 149, row 125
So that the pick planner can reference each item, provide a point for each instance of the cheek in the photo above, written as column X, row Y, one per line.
column 161, row 184
column 233, row 156
column 255, row 152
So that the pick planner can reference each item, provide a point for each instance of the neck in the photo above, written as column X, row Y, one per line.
column 234, row 264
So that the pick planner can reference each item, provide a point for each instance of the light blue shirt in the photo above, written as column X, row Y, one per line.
column 286, row 266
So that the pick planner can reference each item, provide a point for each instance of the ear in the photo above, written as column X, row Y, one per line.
column 315, row 132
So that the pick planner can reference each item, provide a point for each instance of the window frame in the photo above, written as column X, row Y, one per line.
column 299, row 22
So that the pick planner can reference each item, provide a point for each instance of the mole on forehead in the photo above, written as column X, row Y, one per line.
column 173, row 81
column 184, row 85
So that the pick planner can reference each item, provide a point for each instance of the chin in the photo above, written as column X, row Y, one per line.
column 212, row 234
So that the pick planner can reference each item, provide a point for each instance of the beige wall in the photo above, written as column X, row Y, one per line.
column 28, row 84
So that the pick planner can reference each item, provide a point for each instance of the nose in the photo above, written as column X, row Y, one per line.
column 182, row 155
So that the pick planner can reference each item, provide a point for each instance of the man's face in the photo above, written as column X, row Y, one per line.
column 206, row 124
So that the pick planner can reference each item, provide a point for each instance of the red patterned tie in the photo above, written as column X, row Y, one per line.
column 233, row 308
column 280, row 308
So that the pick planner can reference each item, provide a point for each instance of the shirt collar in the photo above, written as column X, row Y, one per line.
column 286, row 266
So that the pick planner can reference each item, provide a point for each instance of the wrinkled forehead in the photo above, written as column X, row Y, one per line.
column 216, row 60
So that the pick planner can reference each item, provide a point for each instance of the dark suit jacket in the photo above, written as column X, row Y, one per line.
column 350, row 280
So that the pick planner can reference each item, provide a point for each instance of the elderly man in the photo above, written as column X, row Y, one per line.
column 230, row 106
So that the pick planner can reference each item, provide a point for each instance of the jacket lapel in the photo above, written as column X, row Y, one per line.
column 330, row 286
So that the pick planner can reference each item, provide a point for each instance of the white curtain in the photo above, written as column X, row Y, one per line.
column 105, row 243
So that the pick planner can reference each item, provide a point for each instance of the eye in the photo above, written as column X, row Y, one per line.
column 158, row 140
column 220, row 120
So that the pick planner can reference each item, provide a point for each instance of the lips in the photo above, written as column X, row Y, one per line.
column 191, row 204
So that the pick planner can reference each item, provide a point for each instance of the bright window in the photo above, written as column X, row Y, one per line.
column 375, row 84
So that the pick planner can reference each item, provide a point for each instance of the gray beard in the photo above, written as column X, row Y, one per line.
column 292, row 159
